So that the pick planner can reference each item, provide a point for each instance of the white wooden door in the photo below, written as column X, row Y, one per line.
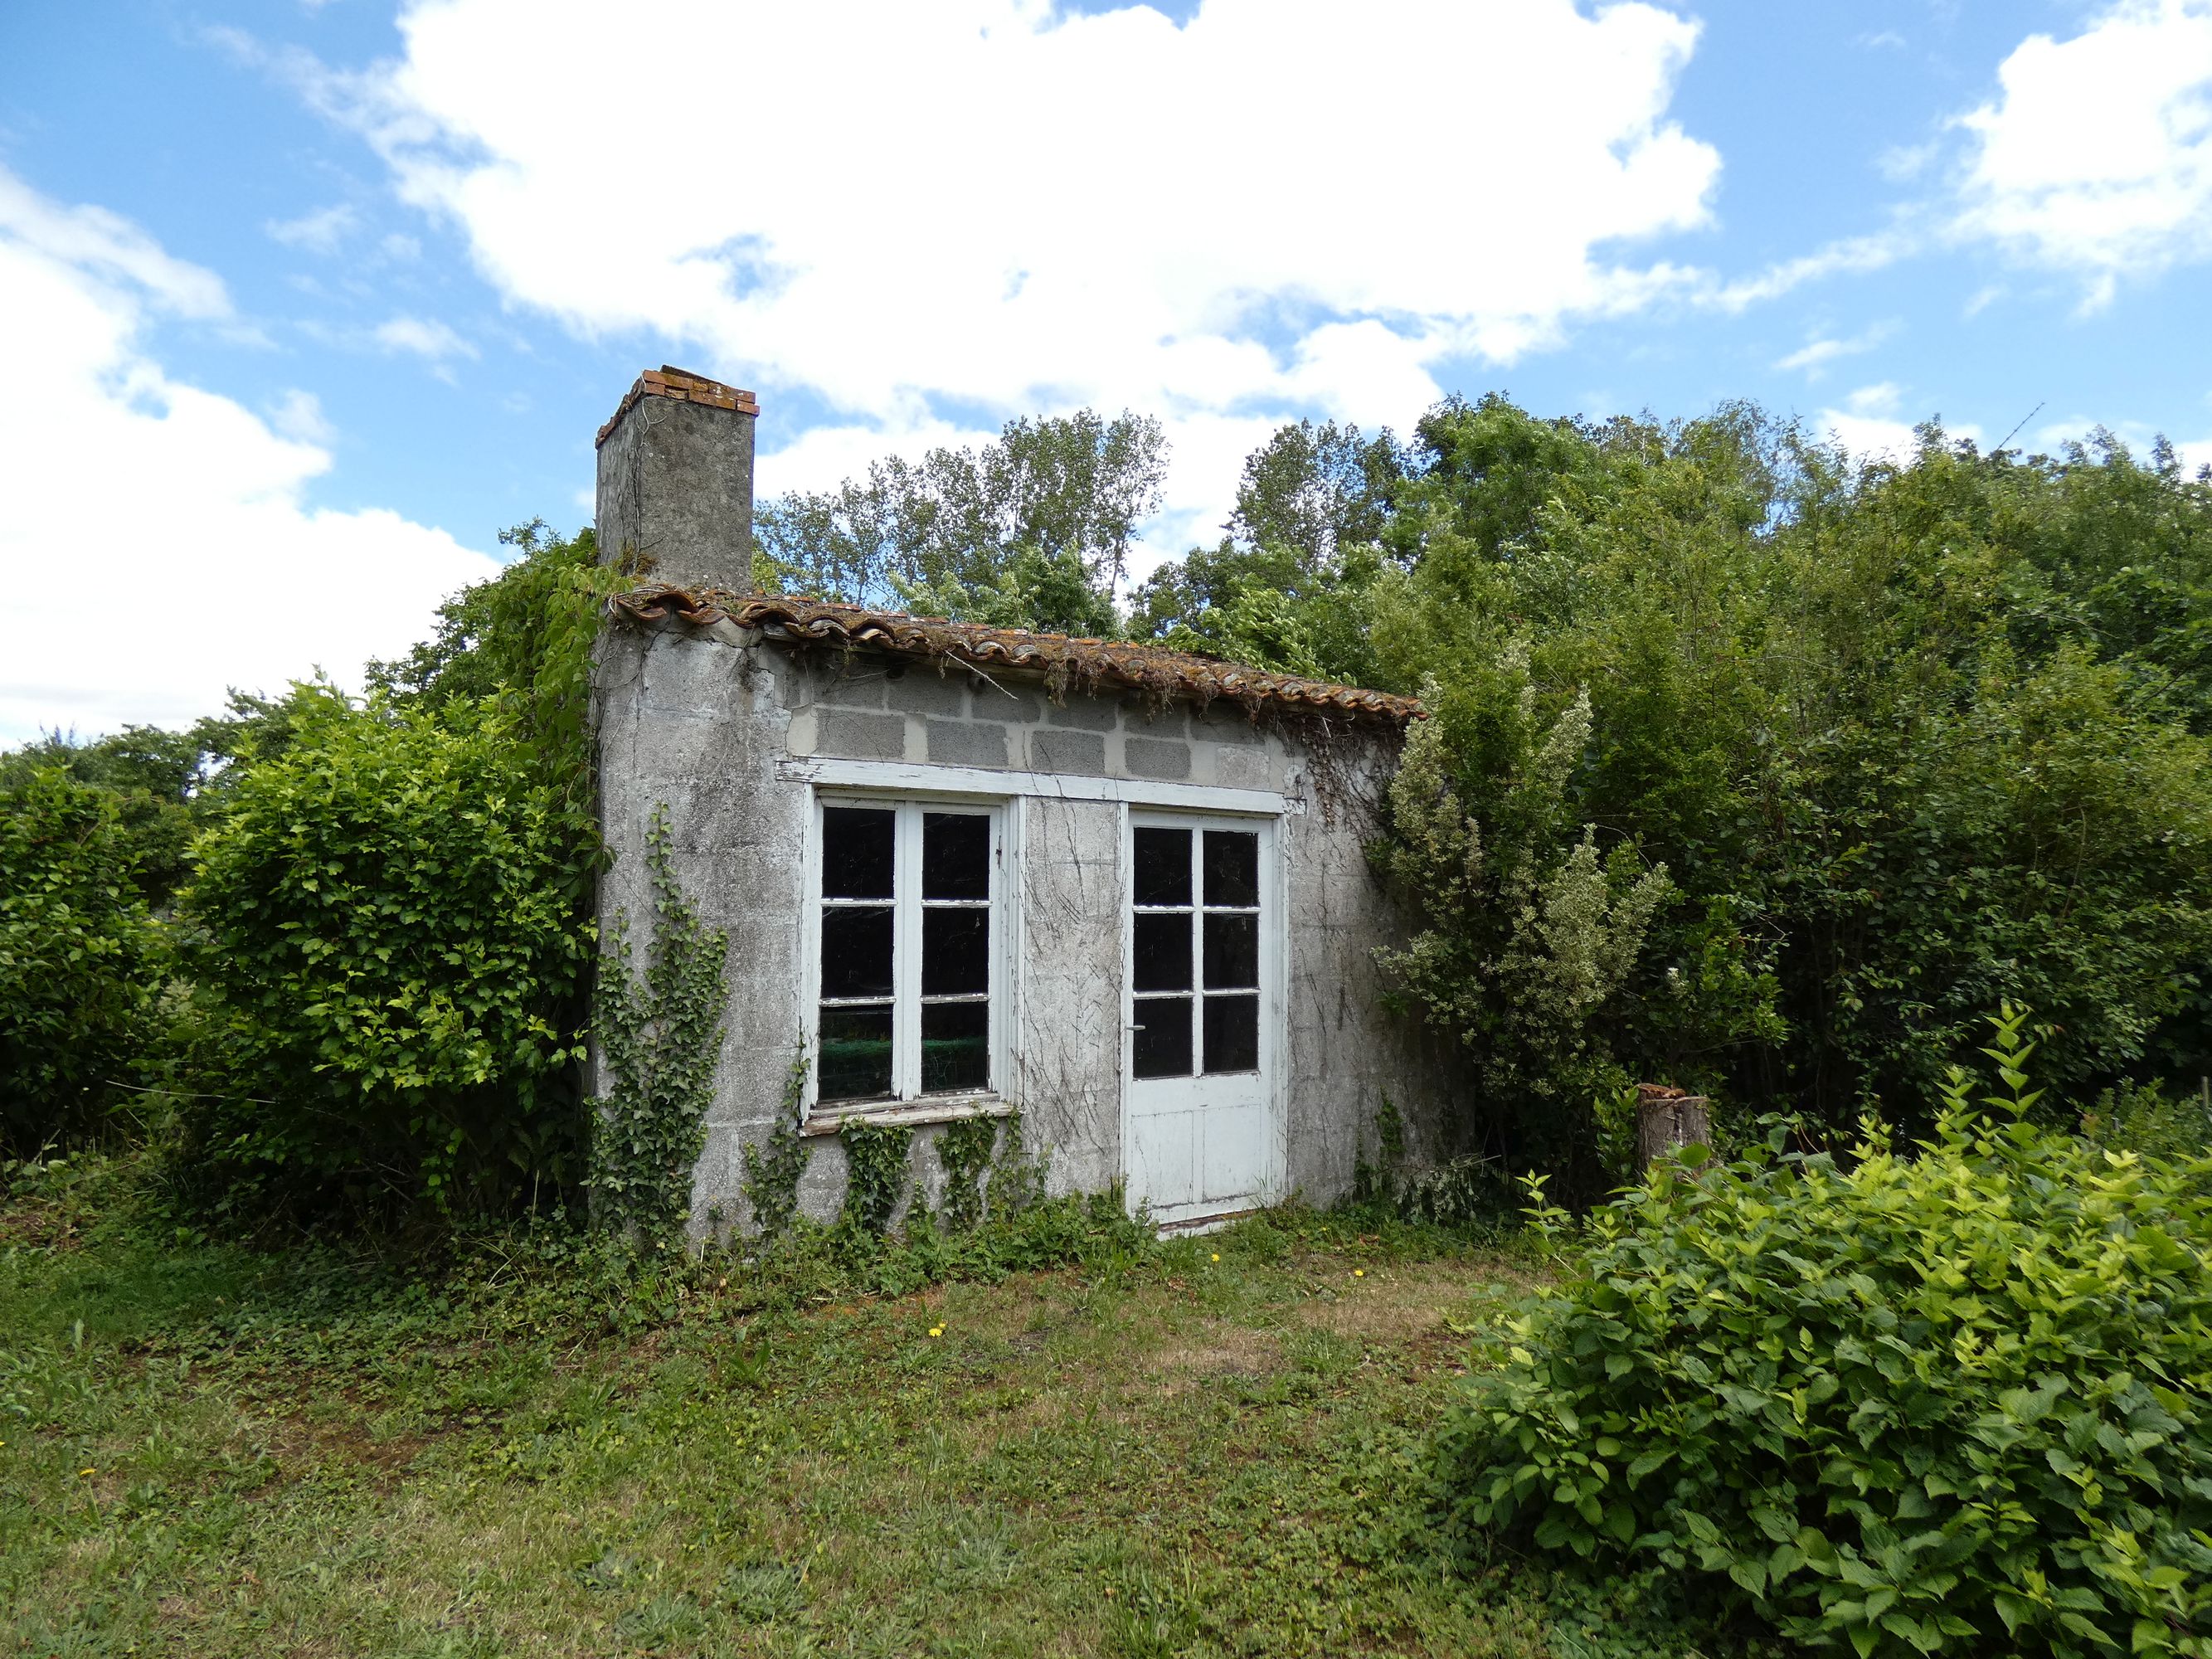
column 1200, row 1014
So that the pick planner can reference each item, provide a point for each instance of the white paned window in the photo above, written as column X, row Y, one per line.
column 907, row 966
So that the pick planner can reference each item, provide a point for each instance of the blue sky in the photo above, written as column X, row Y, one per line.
column 299, row 303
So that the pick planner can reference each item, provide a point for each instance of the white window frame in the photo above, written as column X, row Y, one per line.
column 907, row 1097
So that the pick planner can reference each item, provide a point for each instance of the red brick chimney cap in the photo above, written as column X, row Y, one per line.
column 682, row 386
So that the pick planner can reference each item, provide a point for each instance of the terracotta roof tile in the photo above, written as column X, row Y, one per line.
column 1087, row 664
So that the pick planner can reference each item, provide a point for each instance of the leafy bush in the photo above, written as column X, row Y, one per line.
column 1906, row 738
column 2141, row 1117
column 388, row 940
column 1954, row 1401
column 77, row 967
column 165, row 785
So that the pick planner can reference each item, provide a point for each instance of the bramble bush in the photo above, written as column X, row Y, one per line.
column 1947, row 1400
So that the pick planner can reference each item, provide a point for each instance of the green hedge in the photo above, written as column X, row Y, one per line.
column 388, row 933
column 77, row 967
column 1953, row 1398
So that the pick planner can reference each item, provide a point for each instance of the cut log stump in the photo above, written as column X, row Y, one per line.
column 1668, row 1119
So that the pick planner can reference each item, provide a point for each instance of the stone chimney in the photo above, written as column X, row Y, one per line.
column 676, row 481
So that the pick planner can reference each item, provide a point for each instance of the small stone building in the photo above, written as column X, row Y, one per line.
column 1119, row 890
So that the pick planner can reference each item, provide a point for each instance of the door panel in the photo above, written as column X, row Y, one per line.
column 1201, row 945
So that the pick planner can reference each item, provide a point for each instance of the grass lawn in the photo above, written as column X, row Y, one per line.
column 210, row 1452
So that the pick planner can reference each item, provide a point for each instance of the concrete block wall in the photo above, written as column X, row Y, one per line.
column 868, row 710
column 704, row 724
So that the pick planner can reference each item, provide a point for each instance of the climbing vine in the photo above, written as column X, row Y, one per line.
column 963, row 1152
column 772, row 1170
column 657, row 1040
column 1017, row 1178
column 876, row 1173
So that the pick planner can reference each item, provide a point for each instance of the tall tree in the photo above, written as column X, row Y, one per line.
column 1033, row 529
column 1286, row 588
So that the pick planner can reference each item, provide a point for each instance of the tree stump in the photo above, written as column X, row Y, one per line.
column 1668, row 1119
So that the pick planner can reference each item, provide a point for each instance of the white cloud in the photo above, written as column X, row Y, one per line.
column 1852, row 255
column 299, row 416
column 1901, row 163
column 1868, row 427
column 105, row 246
column 2096, row 154
column 319, row 232
column 424, row 338
column 1817, row 353
column 989, row 207
column 158, row 548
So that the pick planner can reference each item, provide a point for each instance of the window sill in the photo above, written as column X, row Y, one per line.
column 906, row 1115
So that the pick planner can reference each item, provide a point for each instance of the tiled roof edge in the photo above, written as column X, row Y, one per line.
column 683, row 388
column 1086, row 664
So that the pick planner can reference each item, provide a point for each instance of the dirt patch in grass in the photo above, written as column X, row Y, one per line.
column 1396, row 1304
column 1217, row 1349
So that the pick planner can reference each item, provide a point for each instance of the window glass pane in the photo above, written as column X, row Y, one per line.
column 956, row 1045
column 855, row 1062
column 1161, row 1044
column 1163, row 872
column 955, row 855
column 956, row 952
column 1232, row 866
column 856, row 852
column 1232, row 1034
column 856, row 950
column 1162, row 952
column 1232, row 951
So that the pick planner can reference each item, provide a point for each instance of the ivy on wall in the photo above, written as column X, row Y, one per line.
column 876, row 1173
column 658, row 1038
column 773, row 1169
column 963, row 1153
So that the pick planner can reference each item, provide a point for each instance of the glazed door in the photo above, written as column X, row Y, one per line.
column 1200, row 947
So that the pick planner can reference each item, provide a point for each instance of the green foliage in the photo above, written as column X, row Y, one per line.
column 389, row 936
column 1290, row 588
column 385, row 938
column 1905, row 739
column 773, row 1171
column 1016, row 1182
column 77, row 960
column 963, row 1153
column 1032, row 589
column 166, row 787
column 1529, row 933
column 1944, row 1400
column 524, row 639
column 659, row 1039
column 2144, row 1118
column 875, row 1174
column 1033, row 529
